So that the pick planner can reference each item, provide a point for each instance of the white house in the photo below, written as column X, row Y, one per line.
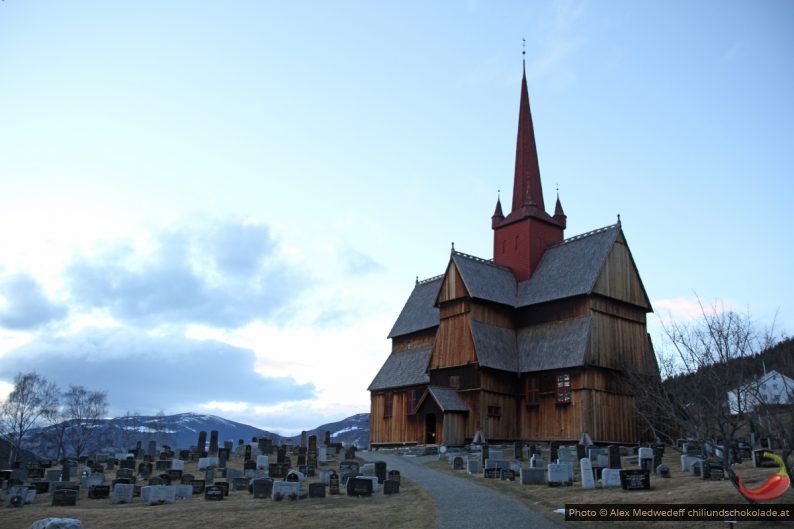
column 770, row 388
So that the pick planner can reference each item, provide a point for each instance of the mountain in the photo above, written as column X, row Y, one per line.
column 179, row 431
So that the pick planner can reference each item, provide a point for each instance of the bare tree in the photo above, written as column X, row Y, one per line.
column 32, row 401
column 83, row 411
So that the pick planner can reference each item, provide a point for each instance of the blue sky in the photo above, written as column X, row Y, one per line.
column 222, row 207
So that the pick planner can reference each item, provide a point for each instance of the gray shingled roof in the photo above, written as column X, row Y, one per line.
column 419, row 312
column 446, row 398
column 407, row 368
column 570, row 268
column 495, row 346
column 485, row 280
column 556, row 345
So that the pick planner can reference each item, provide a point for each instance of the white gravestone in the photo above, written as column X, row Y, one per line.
column 610, row 477
column 262, row 462
column 586, row 466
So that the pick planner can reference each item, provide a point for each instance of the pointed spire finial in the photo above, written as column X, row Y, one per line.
column 417, row 280
column 618, row 219
column 453, row 246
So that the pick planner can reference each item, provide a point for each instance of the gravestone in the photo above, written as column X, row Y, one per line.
column 213, row 493
column 646, row 458
column 380, row 471
column 554, row 451
column 394, row 475
column 177, row 464
column 635, row 479
column 333, row 483
column 359, row 486
column 99, row 492
column 610, row 478
column 198, row 486
column 391, row 487
column 663, row 471
column 209, row 476
column 213, row 443
column 262, row 488
column 174, row 476
column 42, row 487
column 533, row 476
column 158, row 494
column 122, row 493
column 658, row 454
column 558, row 474
column 223, row 457
column 64, row 497
column 535, row 461
column 261, row 462
column 240, row 483
column 224, row 486
column 316, row 490
column 507, row 474
column 613, row 456
column 581, row 452
column 586, row 468
column 473, row 466
column 490, row 473
column 183, row 492
column 187, row 478
column 286, row 489
column 348, row 469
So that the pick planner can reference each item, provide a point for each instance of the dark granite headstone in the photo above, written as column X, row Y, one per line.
column 635, row 479
column 613, row 456
column 198, row 486
column 359, row 487
column 213, row 493
column 553, row 451
column 316, row 490
column 99, row 492
column 262, row 487
column 64, row 497
column 391, row 487
column 333, row 483
column 380, row 471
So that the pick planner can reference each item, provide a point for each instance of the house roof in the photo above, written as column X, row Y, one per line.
column 419, row 312
column 407, row 368
column 570, row 268
column 495, row 346
column 555, row 345
column 446, row 398
column 486, row 280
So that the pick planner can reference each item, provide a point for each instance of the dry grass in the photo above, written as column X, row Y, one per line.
column 412, row 508
column 680, row 488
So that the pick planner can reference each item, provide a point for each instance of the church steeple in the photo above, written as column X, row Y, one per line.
column 526, row 181
column 521, row 238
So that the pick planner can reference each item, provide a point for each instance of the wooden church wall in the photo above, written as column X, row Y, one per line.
column 620, row 279
column 618, row 343
column 454, row 345
column 400, row 426
column 414, row 341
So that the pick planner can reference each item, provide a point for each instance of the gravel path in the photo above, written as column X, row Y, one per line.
column 461, row 503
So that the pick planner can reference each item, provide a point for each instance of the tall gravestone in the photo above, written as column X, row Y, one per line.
column 202, row 442
column 152, row 449
column 613, row 452
column 554, row 449
column 586, row 467
column 214, row 443
column 303, row 438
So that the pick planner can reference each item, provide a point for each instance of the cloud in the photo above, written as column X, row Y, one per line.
column 150, row 373
column 224, row 274
column 23, row 305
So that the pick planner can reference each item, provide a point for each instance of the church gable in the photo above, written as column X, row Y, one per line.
column 420, row 311
column 452, row 286
column 619, row 278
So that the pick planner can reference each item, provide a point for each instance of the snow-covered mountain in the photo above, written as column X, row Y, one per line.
column 180, row 431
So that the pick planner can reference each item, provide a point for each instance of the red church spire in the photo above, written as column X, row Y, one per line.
column 521, row 238
column 526, row 182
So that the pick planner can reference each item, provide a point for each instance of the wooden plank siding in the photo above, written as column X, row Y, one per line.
column 619, row 279
column 401, row 426
column 452, row 287
column 414, row 341
column 618, row 343
column 454, row 344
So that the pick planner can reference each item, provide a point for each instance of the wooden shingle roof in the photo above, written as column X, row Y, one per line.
column 407, row 368
column 495, row 346
column 570, row 268
column 446, row 398
column 419, row 312
column 556, row 345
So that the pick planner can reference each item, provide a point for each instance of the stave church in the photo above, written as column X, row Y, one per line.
column 535, row 344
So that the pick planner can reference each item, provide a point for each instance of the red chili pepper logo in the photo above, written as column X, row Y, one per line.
column 772, row 487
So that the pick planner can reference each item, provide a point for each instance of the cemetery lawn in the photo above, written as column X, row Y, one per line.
column 680, row 488
column 412, row 508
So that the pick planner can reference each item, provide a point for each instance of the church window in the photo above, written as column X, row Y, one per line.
column 411, row 401
column 531, row 392
column 564, row 389
column 388, row 404
column 454, row 381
